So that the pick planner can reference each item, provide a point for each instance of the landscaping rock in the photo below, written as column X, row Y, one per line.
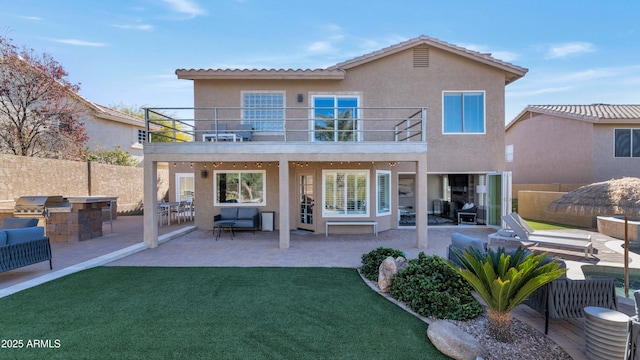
column 388, row 269
column 454, row 342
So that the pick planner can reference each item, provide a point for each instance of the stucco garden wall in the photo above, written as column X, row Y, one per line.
column 556, row 187
column 533, row 205
column 24, row 176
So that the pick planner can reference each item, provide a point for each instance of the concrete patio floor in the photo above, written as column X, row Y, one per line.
column 183, row 245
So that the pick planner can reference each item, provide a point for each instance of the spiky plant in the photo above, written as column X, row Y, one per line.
column 504, row 280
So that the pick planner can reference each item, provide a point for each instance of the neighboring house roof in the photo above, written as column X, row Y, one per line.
column 336, row 72
column 595, row 113
column 114, row 115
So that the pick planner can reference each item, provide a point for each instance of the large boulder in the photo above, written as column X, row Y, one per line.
column 454, row 342
column 388, row 269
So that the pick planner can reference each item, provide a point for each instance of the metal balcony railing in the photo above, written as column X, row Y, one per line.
column 290, row 124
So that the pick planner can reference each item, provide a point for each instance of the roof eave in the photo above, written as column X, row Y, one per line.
column 260, row 74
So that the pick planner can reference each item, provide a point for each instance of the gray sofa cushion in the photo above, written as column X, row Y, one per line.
column 15, row 236
column 228, row 213
column 247, row 213
column 18, row 223
column 246, row 223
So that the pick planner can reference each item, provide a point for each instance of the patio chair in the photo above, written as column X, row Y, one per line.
column 530, row 231
column 517, row 233
column 244, row 131
column 162, row 212
column 221, row 128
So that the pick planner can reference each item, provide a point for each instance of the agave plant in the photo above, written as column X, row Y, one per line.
column 504, row 280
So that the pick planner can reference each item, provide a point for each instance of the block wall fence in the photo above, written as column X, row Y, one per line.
column 24, row 176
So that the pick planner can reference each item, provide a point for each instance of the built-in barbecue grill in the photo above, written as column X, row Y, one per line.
column 36, row 205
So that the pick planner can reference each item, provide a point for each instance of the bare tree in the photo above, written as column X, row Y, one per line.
column 39, row 114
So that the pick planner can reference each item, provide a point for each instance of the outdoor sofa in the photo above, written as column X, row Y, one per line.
column 237, row 217
column 22, row 243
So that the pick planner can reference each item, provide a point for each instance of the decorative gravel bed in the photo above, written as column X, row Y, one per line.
column 529, row 343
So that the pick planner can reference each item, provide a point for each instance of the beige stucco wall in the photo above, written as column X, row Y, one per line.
column 206, row 210
column 24, row 176
column 393, row 81
column 108, row 134
column 533, row 205
column 547, row 150
column 605, row 165
column 543, row 187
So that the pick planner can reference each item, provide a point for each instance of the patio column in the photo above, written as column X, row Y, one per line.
column 150, row 203
column 422, row 202
column 283, row 192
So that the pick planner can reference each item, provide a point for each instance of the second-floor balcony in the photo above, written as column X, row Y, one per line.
column 291, row 129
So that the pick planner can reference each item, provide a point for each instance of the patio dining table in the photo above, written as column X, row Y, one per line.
column 168, row 206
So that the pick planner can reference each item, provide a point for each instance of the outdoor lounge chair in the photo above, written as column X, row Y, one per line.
column 517, row 233
column 244, row 131
column 531, row 232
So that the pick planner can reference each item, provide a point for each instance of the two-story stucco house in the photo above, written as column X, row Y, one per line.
column 573, row 144
column 392, row 136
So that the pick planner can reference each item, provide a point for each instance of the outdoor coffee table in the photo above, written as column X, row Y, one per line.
column 225, row 224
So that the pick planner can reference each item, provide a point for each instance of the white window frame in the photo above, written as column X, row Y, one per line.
column 328, row 214
column 508, row 153
column 252, row 121
column 335, row 95
column 239, row 172
column 484, row 112
column 177, row 185
column 387, row 185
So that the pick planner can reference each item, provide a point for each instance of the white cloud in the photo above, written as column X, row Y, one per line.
column 568, row 49
column 535, row 92
column 77, row 42
column 33, row 18
column 507, row 56
column 186, row 7
column 584, row 75
column 320, row 47
column 144, row 27
column 502, row 55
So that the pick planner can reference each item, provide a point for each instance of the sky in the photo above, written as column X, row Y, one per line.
column 126, row 52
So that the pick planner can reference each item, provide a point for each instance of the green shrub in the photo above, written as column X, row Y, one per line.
column 430, row 287
column 371, row 261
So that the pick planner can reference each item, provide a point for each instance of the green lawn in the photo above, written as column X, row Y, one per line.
column 210, row 313
column 541, row 225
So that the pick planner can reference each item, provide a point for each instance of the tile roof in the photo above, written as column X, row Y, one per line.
column 517, row 71
column 336, row 72
column 260, row 74
column 118, row 114
column 593, row 111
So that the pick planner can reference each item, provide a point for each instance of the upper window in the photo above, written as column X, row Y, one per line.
column 627, row 142
column 508, row 153
column 263, row 110
column 463, row 112
column 345, row 193
column 383, row 189
column 239, row 187
column 335, row 118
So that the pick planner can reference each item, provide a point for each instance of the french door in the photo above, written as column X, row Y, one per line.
column 306, row 201
column 499, row 197
column 184, row 186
